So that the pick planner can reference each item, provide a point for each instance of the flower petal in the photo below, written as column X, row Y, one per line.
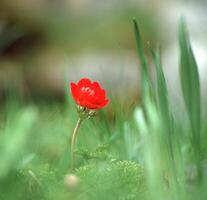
column 96, row 86
column 84, row 82
column 74, row 90
column 89, row 94
column 88, row 104
column 104, row 103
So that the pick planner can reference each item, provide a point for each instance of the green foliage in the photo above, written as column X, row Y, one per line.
column 100, row 153
column 14, row 137
column 145, row 77
column 190, row 81
column 163, row 136
column 35, row 144
column 163, row 107
column 121, row 180
column 162, row 93
column 191, row 90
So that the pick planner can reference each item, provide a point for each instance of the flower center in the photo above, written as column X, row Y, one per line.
column 88, row 90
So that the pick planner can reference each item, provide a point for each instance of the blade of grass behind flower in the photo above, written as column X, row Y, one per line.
column 162, row 100
column 191, row 88
column 166, row 118
column 190, row 82
column 14, row 139
column 162, row 93
column 145, row 78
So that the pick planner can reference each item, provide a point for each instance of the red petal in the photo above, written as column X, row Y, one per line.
column 96, row 86
column 89, row 94
column 84, row 82
column 88, row 105
column 86, row 93
column 104, row 103
column 100, row 93
column 99, row 97
column 74, row 90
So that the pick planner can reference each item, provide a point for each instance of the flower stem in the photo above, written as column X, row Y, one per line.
column 73, row 142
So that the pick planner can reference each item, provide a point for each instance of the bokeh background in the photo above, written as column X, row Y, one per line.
column 45, row 44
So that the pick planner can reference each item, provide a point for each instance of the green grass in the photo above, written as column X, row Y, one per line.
column 143, row 152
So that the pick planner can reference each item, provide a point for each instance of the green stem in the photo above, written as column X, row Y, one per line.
column 73, row 142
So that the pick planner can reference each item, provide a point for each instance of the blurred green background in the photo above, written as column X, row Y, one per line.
column 46, row 44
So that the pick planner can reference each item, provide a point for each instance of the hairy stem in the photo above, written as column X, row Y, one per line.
column 73, row 142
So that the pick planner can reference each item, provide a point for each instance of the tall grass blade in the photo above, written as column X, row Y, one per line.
column 15, row 136
column 145, row 78
column 190, row 87
column 162, row 93
column 162, row 101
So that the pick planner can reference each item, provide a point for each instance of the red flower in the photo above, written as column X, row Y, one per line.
column 88, row 94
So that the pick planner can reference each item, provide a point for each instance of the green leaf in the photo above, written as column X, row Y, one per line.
column 190, row 83
column 162, row 102
column 191, row 92
column 145, row 78
column 162, row 93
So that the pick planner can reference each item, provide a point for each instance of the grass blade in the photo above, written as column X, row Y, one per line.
column 145, row 78
column 190, row 87
column 162, row 93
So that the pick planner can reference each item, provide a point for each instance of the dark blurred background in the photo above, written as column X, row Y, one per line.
column 45, row 44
